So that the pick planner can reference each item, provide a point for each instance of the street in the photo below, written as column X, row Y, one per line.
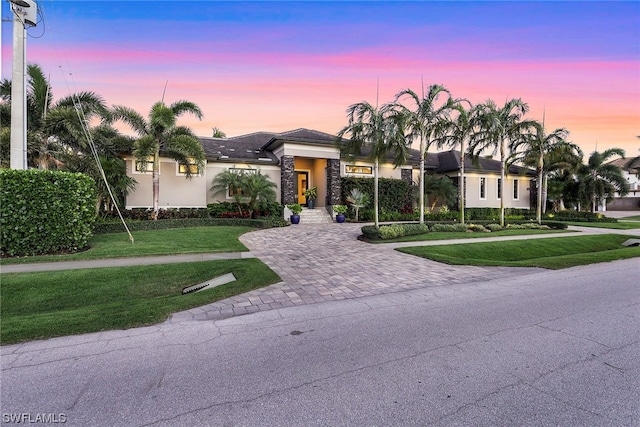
column 542, row 348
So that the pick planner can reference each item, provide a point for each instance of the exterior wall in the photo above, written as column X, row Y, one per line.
column 308, row 151
column 492, row 200
column 630, row 202
column 176, row 191
column 273, row 172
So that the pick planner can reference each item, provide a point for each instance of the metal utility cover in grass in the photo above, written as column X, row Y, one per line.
column 210, row 284
column 631, row 242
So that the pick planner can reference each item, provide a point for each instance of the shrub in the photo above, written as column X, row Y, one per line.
column 394, row 194
column 117, row 227
column 370, row 232
column 391, row 231
column 527, row 226
column 45, row 211
column 413, row 229
column 477, row 228
column 494, row 227
column 578, row 216
column 449, row 227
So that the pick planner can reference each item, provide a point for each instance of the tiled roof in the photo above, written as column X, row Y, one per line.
column 449, row 161
column 624, row 164
column 244, row 148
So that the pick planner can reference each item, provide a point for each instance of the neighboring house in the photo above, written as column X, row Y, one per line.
column 630, row 202
column 482, row 180
column 303, row 158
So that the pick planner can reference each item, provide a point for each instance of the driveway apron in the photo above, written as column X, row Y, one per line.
column 326, row 262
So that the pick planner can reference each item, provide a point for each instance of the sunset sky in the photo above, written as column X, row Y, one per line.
column 278, row 66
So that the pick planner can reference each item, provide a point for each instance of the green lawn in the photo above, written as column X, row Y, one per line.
column 56, row 303
column 552, row 253
column 631, row 218
column 620, row 225
column 440, row 235
column 156, row 242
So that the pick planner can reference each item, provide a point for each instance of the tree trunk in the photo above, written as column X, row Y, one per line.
column 421, row 196
column 539, row 195
column 375, row 193
column 545, row 192
column 504, row 183
column 156, row 185
column 461, row 183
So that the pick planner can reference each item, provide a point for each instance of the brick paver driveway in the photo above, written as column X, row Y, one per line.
column 326, row 262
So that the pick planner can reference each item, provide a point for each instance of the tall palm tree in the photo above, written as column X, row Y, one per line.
column 538, row 148
column 378, row 130
column 495, row 129
column 458, row 131
column 160, row 134
column 600, row 180
column 425, row 123
column 47, row 119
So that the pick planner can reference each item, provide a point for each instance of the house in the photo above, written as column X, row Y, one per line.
column 304, row 158
column 631, row 171
column 482, row 180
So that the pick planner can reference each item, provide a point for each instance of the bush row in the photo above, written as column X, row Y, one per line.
column 117, row 227
column 577, row 216
column 45, row 211
column 393, row 231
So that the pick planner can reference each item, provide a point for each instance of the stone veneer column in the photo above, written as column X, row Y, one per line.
column 287, row 180
column 334, row 189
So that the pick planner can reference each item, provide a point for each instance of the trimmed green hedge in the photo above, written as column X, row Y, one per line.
column 161, row 224
column 45, row 211
column 394, row 194
column 578, row 216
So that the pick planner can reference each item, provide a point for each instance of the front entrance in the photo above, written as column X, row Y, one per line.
column 302, row 184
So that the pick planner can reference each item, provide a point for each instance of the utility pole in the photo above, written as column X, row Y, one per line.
column 24, row 14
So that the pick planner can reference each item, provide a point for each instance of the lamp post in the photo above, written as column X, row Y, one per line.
column 24, row 14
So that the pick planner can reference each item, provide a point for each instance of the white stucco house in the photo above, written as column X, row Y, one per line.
column 630, row 202
column 298, row 159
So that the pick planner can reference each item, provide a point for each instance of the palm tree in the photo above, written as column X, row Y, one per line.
column 496, row 127
column 538, row 148
column 458, row 131
column 257, row 188
column 230, row 181
column 160, row 134
column 425, row 123
column 47, row 121
column 439, row 188
column 380, row 131
column 600, row 180
column 357, row 199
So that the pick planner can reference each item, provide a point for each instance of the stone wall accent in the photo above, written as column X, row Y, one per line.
column 333, row 182
column 287, row 180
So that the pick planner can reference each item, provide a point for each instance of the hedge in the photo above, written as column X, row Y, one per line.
column 394, row 194
column 161, row 224
column 45, row 211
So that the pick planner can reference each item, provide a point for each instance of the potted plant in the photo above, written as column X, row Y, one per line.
column 311, row 194
column 340, row 210
column 295, row 213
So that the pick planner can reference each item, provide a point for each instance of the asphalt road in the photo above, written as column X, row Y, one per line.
column 546, row 348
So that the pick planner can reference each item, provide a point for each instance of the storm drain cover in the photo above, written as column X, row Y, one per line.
column 210, row 284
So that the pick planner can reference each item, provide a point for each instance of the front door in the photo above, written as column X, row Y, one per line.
column 302, row 183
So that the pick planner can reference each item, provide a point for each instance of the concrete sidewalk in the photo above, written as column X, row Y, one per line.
column 121, row 262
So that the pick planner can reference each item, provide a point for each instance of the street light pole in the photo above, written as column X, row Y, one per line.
column 24, row 13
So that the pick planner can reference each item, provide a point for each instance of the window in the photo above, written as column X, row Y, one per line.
column 192, row 167
column 499, row 188
column 140, row 169
column 515, row 189
column 233, row 191
column 483, row 188
column 362, row 170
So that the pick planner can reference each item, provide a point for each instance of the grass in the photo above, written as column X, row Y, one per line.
column 553, row 253
column 441, row 235
column 56, row 303
column 620, row 225
column 632, row 218
column 155, row 242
